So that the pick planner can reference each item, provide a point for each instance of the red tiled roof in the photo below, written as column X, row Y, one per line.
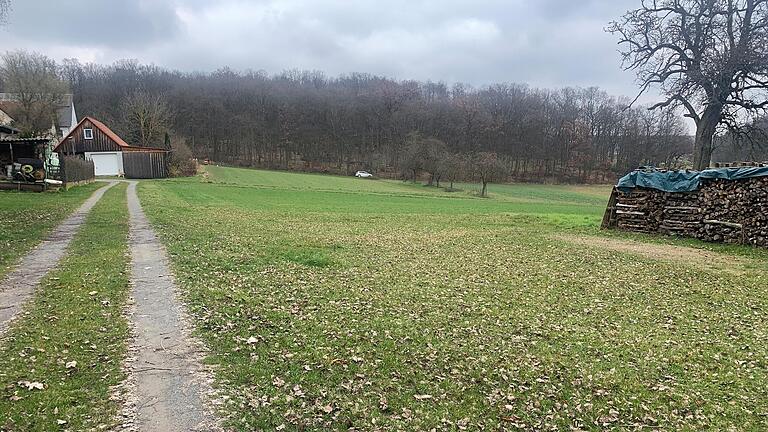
column 108, row 132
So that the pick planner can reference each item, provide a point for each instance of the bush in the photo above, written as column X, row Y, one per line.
column 181, row 163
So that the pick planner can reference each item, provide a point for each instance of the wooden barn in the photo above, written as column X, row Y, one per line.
column 111, row 155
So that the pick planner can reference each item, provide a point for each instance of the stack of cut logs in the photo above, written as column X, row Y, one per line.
column 720, row 211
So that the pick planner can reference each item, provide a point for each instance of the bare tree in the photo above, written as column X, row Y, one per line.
column 5, row 9
column 488, row 168
column 454, row 167
column 416, row 153
column 146, row 118
column 435, row 152
column 708, row 56
column 37, row 90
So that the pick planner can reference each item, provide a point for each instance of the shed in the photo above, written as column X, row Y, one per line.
column 111, row 155
column 12, row 148
column 6, row 130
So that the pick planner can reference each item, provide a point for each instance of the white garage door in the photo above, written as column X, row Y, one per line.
column 106, row 164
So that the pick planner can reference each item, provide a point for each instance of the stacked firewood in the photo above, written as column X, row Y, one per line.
column 650, row 210
column 735, row 211
column 632, row 211
column 721, row 211
column 682, row 214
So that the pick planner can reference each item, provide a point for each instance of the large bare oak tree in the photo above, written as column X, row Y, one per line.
column 708, row 56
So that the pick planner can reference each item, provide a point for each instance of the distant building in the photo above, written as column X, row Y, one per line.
column 5, row 119
column 65, row 120
column 66, row 116
column 112, row 156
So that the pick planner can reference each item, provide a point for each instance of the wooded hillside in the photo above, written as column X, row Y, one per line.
column 306, row 120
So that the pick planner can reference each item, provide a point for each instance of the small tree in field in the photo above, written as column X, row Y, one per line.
column 415, row 155
column 454, row 167
column 424, row 154
column 435, row 152
column 488, row 168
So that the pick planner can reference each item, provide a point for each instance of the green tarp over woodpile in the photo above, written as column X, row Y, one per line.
column 684, row 181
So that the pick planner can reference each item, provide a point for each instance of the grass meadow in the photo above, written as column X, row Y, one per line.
column 61, row 357
column 346, row 304
column 26, row 217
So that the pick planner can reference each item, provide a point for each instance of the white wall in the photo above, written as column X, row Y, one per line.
column 121, row 171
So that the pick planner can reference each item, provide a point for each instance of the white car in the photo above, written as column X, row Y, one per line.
column 363, row 174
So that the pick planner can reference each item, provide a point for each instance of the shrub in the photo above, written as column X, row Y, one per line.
column 181, row 163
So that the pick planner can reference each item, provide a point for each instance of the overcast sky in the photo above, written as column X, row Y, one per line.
column 546, row 43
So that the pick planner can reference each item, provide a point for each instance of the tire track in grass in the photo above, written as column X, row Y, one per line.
column 19, row 285
column 168, row 382
column 62, row 357
column 700, row 258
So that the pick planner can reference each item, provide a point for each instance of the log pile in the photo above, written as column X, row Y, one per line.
column 722, row 211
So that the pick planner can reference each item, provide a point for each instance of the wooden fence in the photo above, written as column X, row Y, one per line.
column 145, row 164
column 74, row 169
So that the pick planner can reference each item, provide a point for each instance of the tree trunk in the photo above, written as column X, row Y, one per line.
column 485, row 186
column 705, row 131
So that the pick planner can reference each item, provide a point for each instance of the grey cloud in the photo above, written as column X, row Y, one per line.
column 540, row 42
column 109, row 23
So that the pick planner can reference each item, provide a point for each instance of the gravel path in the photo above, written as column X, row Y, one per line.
column 167, row 380
column 18, row 286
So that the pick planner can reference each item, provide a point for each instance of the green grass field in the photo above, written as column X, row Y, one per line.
column 60, row 359
column 341, row 303
column 25, row 218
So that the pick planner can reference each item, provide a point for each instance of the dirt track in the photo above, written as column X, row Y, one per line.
column 167, row 379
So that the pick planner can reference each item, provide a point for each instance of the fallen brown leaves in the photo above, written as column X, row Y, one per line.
column 451, row 321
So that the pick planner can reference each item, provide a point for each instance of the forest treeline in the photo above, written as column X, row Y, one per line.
column 306, row 120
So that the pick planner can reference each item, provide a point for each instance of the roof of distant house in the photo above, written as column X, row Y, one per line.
column 65, row 113
column 7, row 129
column 4, row 114
column 24, row 141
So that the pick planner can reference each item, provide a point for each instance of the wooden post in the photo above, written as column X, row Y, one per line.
column 610, row 211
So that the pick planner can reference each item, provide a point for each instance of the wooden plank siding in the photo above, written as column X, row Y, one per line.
column 145, row 164
column 138, row 162
column 77, row 144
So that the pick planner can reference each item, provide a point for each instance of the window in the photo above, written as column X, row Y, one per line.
column 88, row 133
